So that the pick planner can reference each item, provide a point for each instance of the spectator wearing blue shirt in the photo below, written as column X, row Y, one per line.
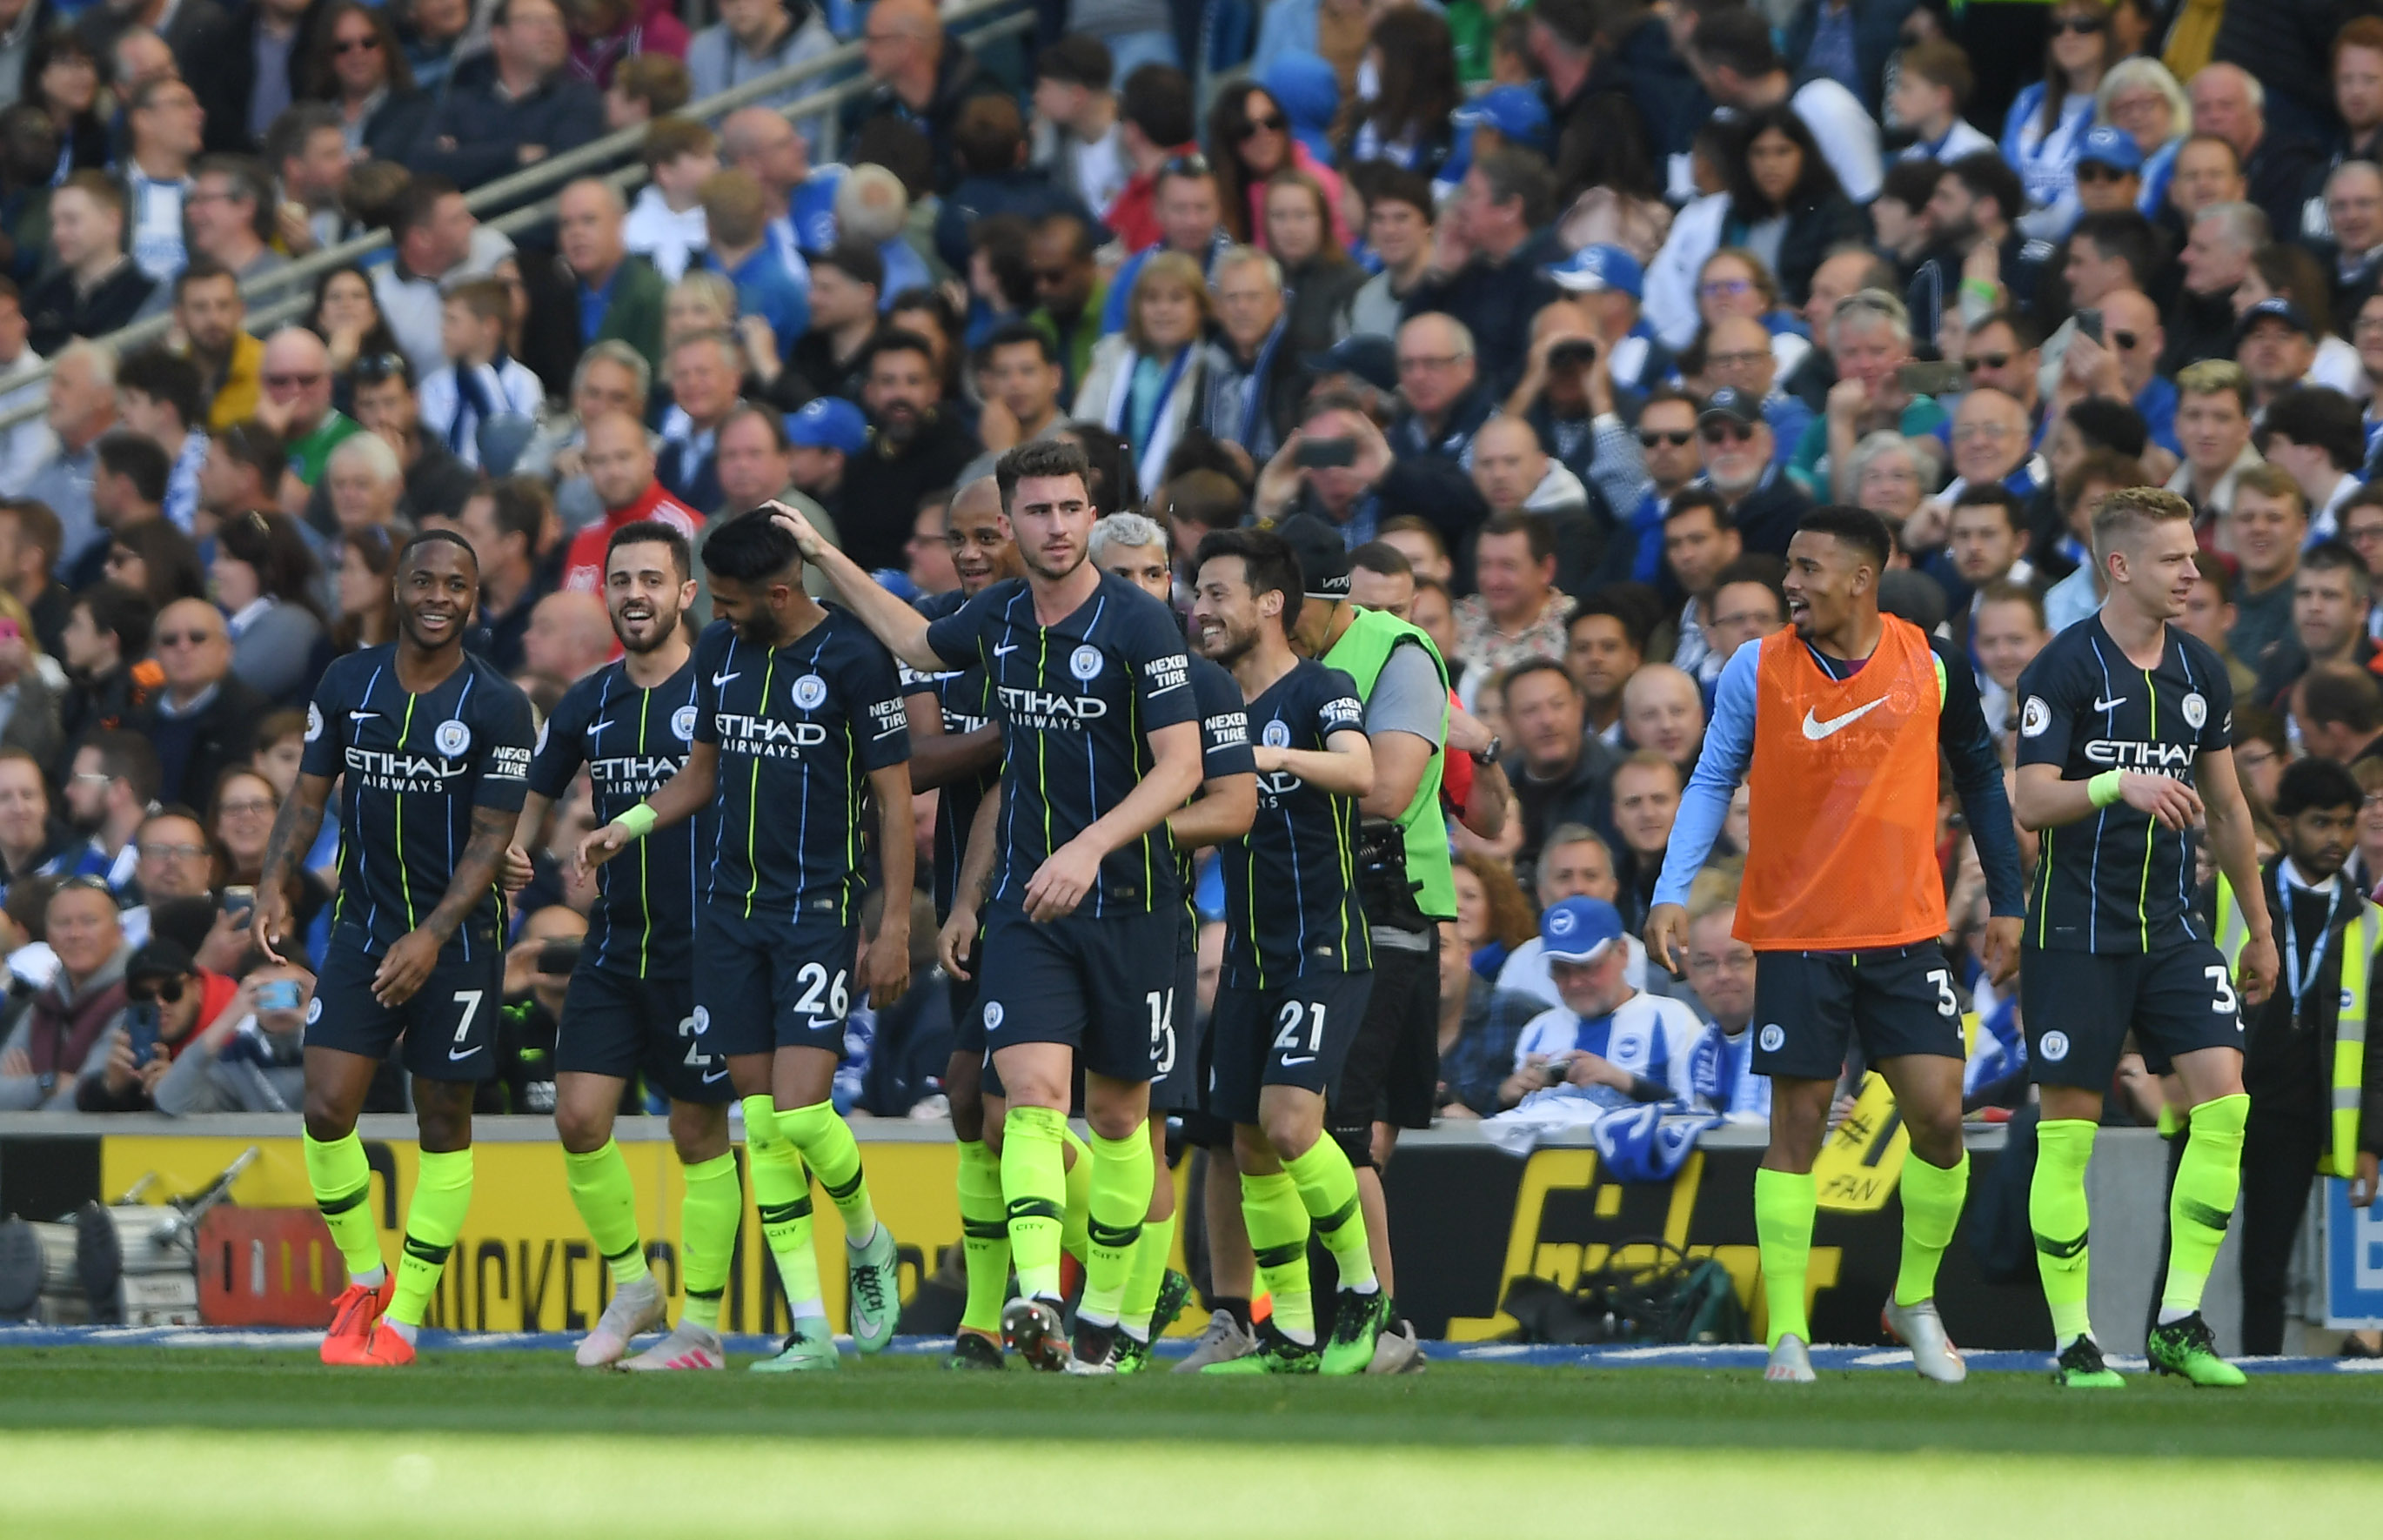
column 1719, row 1076
column 736, row 216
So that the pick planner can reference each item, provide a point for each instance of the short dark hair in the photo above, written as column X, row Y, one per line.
column 1911, row 183
column 1738, row 39
column 517, row 505
column 1017, row 333
column 1382, row 559
column 125, row 756
column 168, row 378
column 1039, row 457
column 200, row 269
column 1538, row 663
column 2214, row 572
column 1511, row 172
column 750, row 547
column 1387, row 182
column 988, row 136
column 1756, row 566
column 1987, row 175
column 1606, row 603
column 37, row 525
column 437, row 537
column 140, row 459
column 250, row 181
column 2339, row 695
column 2312, row 784
column 1535, row 530
column 2023, row 330
column 2123, row 235
column 1268, row 559
column 1856, row 526
column 2333, row 554
column 417, row 203
column 653, row 532
column 1156, row 99
column 1078, row 58
column 2108, row 424
column 861, row 264
column 124, row 613
column 2320, row 415
column 1994, row 494
column 895, row 339
column 1690, row 500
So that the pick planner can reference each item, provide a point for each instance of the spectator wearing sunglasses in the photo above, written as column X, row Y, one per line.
column 67, row 1029
column 297, row 404
column 2003, row 352
column 170, row 1000
column 204, row 719
column 1736, row 450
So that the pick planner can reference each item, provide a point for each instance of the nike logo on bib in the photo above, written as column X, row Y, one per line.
column 1816, row 730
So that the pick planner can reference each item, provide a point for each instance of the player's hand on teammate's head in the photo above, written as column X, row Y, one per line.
column 806, row 539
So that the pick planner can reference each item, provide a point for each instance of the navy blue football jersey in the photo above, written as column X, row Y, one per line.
column 2114, row 881
column 964, row 700
column 1078, row 701
column 1290, row 884
column 800, row 727
column 1224, row 747
column 411, row 768
column 631, row 742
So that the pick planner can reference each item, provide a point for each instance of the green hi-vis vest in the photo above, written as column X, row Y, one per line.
column 1360, row 653
column 2358, row 941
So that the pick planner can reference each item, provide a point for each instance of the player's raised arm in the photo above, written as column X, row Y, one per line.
column 294, row 829
column 2233, row 844
column 1343, row 766
column 901, row 628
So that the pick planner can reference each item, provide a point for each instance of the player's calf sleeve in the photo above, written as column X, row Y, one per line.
column 2202, row 1203
column 1933, row 1196
column 607, row 1201
column 781, row 1192
column 1034, row 1185
column 1076, row 1224
column 442, row 1196
column 1120, row 1196
column 1150, row 1256
column 2056, row 1213
column 708, row 1215
column 1327, row 1188
column 827, row 1146
column 984, row 1236
column 341, row 1178
column 1279, row 1228
column 1783, row 1204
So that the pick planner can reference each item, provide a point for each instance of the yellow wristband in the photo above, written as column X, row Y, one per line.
column 638, row 820
column 2104, row 788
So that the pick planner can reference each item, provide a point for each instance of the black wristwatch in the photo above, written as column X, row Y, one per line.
column 1490, row 755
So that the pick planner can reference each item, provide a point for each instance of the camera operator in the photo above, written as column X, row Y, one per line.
column 249, row 1055
column 1327, row 469
column 1567, row 395
column 168, row 1001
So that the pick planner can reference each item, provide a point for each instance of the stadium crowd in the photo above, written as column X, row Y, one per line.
column 1548, row 323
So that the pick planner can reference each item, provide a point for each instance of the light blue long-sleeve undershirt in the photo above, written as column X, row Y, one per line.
column 1729, row 749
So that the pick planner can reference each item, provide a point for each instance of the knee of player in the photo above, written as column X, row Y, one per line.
column 698, row 1133
column 582, row 1130
column 1253, row 1152
column 1936, row 1134
column 444, row 1117
column 326, row 1122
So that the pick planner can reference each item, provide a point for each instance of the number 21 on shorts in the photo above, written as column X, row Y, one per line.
column 1286, row 1040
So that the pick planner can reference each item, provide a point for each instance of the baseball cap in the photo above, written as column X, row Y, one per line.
column 1593, row 269
column 2275, row 310
column 2112, row 147
column 1734, row 404
column 1372, row 359
column 1323, row 554
column 829, row 422
column 1515, row 111
column 1579, row 929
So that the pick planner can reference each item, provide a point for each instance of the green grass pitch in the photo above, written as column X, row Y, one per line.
column 119, row 1442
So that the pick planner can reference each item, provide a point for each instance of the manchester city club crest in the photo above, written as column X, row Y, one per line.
column 809, row 691
column 702, row 1019
column 1085, row 663
column 1774, row 1037
column 1277, row 734
column 2196, row 710
column 2055, row 1047
column 992, row 1014
column 453, row 737
column 682, row 724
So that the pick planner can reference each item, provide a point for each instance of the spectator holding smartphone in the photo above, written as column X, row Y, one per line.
column 247, row 1056
column 170, row 1001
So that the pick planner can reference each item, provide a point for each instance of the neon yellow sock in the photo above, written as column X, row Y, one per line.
column 341, row 1178
column 1328, row 1187
column 607, row 1201
column 1121, row 1175
column 1278, row 1229
column 2056, row 1212
column 827, row 1146
column 2208, row 1179
column 984, row 1236
column 1783, row 1205
column 1076, row 1227
column 1933, row 1196
column 1150, row 1257
column 1036, row 1189
column 709, row 1214
column 781, row 1192
column 442, row 1196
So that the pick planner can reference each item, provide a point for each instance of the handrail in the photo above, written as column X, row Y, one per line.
column 562, row 167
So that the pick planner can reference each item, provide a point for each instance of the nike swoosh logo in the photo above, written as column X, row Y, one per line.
column 595, row 728
column 466, row 1054
column 2100, row 705
column 720, row 679
column 1816, row 730
column 1306, row 1059
column 362, row 716
column 1000, row 651
column 715, row 1075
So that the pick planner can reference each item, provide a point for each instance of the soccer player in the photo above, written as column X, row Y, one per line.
column 432, row 746
column 1134, row 548
column 797, row 715
column 955, row 749
column 631, row 1006
column 1837, row 726
column 1298, row 963
column 1098, row 715
column 2122, row 717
